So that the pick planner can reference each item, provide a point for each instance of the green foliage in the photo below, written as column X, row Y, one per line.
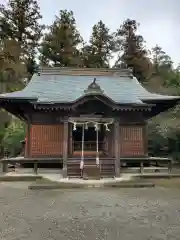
column 131, row 50
column 164, row 130
column 12, row 70
column 20, row 22
column 99, row 51
column 164, row 140
column 2, row 132
column 13, row 135
column 161, row 61
column 60, row 45
column 172, row 78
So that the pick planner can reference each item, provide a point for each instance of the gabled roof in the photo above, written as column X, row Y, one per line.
column 64, row 85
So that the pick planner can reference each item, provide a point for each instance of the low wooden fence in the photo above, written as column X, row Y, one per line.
column 155, row 161
column 34, row 161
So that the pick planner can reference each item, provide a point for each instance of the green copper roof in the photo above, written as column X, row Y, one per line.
column 56, row 85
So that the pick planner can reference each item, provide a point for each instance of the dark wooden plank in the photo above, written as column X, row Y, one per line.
column 145, row 139
column 65, row 148
column 116, row 148
column 91, row 172
column 32, row 160
column 28, row 140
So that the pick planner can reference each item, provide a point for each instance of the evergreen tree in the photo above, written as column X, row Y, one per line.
column 12, row 71
column 131, row 50
column 178, row 68
column 19, row 21
column 100, row 48
column 161, row 61
column 163, row 68
column 60, row 44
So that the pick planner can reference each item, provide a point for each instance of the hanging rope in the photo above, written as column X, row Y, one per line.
column 82, row 149
column 75, row 123
column 84, row 125
column 97, row 144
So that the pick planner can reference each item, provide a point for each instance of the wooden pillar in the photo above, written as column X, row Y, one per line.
column 111, row 142
column 145, row 138
column 28, row 139
column 70, row 139
column 65, row 149
column 116, row 148
column 35, row 167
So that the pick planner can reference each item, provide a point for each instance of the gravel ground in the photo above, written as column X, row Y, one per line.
column 90, row 214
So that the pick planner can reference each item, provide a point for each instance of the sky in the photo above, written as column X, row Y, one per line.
column 159, row 19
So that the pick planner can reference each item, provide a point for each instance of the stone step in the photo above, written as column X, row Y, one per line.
column 96, row 184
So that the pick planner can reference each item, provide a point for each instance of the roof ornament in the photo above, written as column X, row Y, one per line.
column 93, row 88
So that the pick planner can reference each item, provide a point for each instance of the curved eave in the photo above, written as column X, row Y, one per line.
column 95, row 95
column 17, row 106
column 89, row 97
column 17, row 99
column 162, row 105
column 161, row 99
column 8, row 96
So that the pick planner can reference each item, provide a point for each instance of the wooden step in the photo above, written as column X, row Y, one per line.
column 107, row 167
column 73, row 169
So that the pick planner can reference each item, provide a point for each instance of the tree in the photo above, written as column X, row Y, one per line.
column 100, row 48
column 60, row 45
column 13, row 136
column 19, row 21
column 163, row 68
column 161, row 61
column 12, row 71
column 131, row 50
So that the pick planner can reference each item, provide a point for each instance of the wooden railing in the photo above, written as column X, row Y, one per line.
column 35, row 161
column 88, row 145
column 105, row 161
column 151, row 160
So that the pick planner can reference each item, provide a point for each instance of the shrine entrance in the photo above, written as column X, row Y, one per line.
column 90, row 140
column 89, row 137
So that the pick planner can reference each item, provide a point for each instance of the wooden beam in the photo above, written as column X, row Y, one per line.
column 116, row 148
column 91, row 119
column 70, row 139
column 28, row 138
column 65, row 148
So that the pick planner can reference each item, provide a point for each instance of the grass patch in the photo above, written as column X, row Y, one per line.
column 44, row 181
column 167, row 183
column 6, row 178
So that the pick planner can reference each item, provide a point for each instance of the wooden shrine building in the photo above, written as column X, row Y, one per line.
column 89, row 119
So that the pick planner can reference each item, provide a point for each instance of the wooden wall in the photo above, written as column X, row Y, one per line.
column 132, row 141
column 45, row 141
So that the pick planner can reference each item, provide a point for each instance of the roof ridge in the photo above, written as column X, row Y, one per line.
column 85, row 71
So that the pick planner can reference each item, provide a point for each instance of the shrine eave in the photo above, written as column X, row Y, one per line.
column 69, row 86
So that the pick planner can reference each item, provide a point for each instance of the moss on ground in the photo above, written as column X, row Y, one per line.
column 44, row 181
column 7, row 178
column 167, row 183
